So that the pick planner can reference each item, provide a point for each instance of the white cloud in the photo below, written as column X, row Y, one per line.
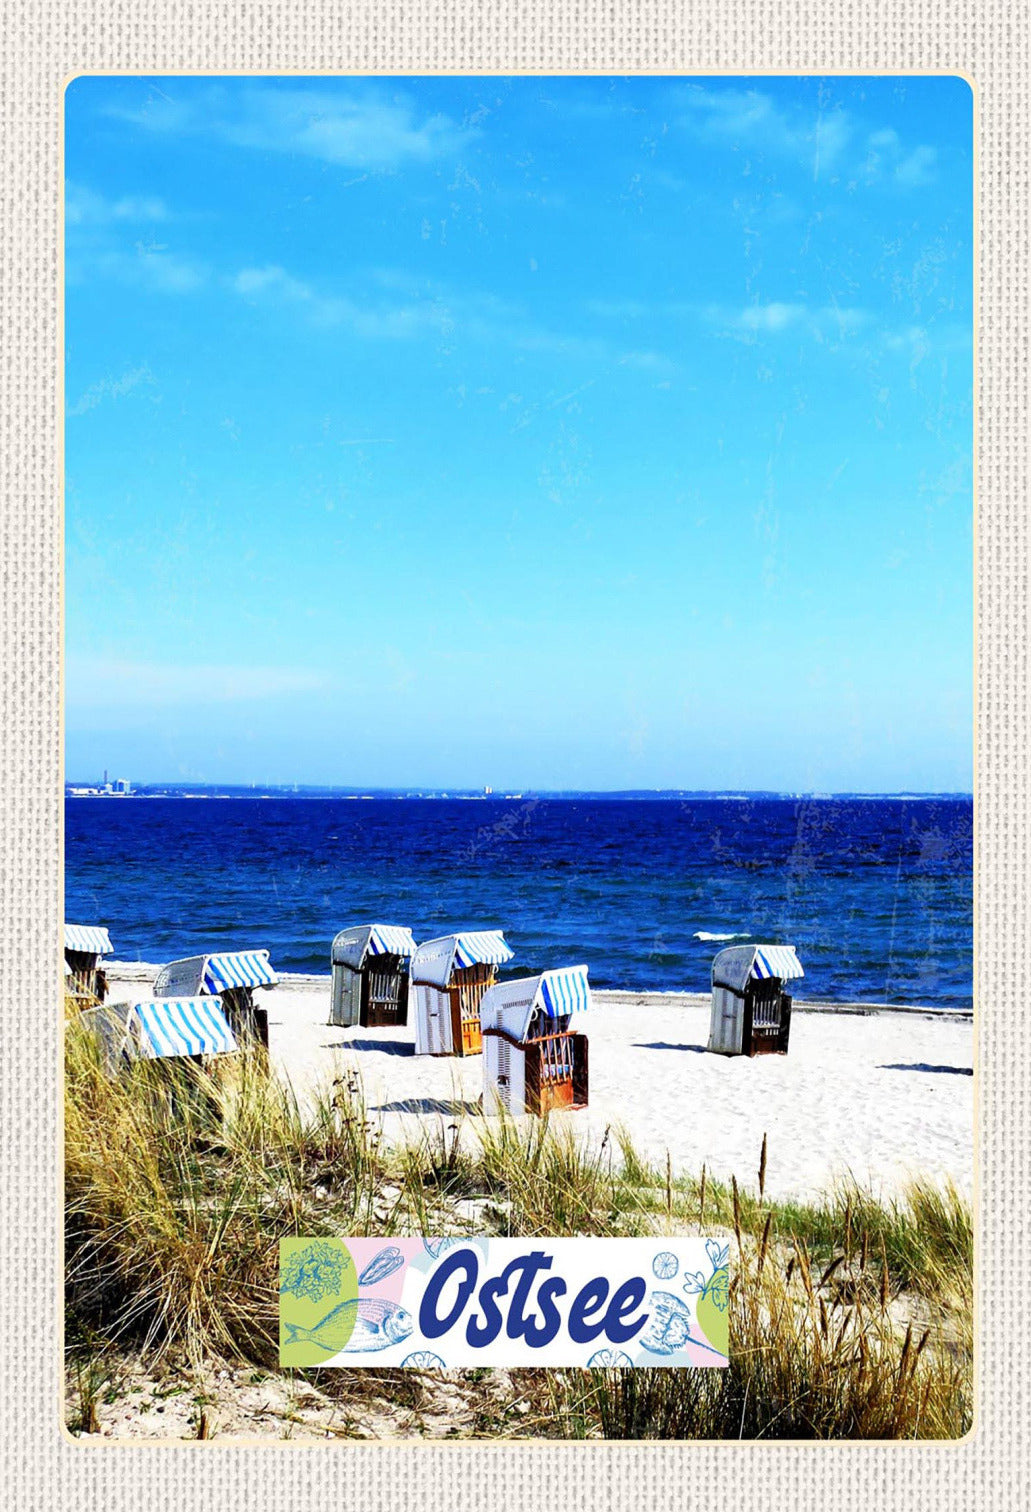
column 888, row 161
column 359, row 125
column 942, row 337
column 146, row 265
column 110, row 388
column 822, row 323
column 252, row 281
column 116, row 238
column 397, row 308
column 101, row 684
column 367, row 318
column 825, row 139
column 85, row 207
column 771, row 317
column 918, row 167
column 750, row 120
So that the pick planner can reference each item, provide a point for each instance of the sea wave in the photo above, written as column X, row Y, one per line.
column 703, row 934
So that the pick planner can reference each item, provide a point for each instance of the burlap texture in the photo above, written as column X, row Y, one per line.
column 41, row 47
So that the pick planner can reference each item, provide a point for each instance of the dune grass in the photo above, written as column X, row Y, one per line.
column 850, row 1318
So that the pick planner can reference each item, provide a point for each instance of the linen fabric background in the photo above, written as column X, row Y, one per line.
column 41, row 47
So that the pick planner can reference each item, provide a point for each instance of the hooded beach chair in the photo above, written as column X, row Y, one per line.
column 370, row 964
column 230, row 975
column 84, row 947
column 449, row 977
column 534, row 1055
column 751, row 1012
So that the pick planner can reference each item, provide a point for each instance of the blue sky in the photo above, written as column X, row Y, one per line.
column 540, row 432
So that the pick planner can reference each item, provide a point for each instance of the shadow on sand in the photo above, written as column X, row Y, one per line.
column 452, row 1107
column 386, row 1047
column 935, row 1070
column 661, row 1045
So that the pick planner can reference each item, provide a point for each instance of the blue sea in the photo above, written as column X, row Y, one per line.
column 876, row 894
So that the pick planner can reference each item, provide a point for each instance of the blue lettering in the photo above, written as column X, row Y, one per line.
column 480, row 1334
column 582, row 1330
column 465, row 1260
column 629, row 1296
column 537, row 1337
column 530, row 1265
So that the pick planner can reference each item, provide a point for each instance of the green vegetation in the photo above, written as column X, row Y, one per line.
column 850, row 1318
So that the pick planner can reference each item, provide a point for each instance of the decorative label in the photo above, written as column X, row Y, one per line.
column 441, row 1304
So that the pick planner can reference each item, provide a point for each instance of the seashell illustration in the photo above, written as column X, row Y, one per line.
column 665, row 1265
column 610, row 1359
column 669, row 1326
column 436, row 1247
column 381, row 1266
column 424, row 1360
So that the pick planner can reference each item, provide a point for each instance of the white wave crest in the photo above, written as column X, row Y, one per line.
column 703, row 934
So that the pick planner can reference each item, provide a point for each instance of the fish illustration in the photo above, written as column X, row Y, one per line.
column 356, row 1326
column 382, row 1265
column 669, row 1326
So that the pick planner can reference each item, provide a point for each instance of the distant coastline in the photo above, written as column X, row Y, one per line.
column 624, row 795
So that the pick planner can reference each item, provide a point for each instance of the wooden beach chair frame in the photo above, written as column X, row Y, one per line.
column 555, row 1074
column 466, row 989
column 85, row 980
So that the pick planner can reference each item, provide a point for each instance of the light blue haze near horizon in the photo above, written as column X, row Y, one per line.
column 541, row 432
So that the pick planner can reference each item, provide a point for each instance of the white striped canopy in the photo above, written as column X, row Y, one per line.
column 776, row 961
column 351, row 946
column 214, row 973
column 485, row 947
column 172, row 1027
column 91, row 939
column 241, row 968
column 739, row 964
column 564, row 992
column 560, row 993
column 435, row 960
column 391, row 939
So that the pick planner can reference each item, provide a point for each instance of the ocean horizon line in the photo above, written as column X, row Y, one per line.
column 225, row 790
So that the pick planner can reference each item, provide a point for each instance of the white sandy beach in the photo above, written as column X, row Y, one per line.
column 883, row 1095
